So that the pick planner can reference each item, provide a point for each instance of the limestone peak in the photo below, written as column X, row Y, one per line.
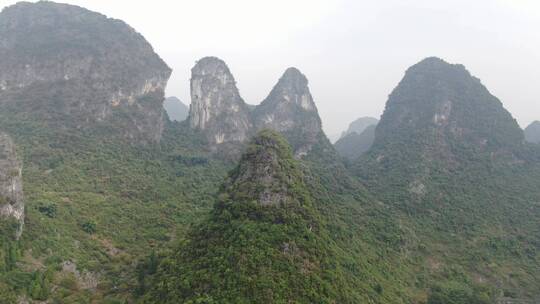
column 216, row 106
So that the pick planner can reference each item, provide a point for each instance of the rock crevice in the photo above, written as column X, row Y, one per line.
column 11, row 190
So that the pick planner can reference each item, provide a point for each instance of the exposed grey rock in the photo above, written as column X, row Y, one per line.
column 176, row 109
column 11, row 191
column 359, row 125
column 216, row 106
column 222, row 115
column 532, row 132
column 290, row 110
column 352, row 145
column 75, row 67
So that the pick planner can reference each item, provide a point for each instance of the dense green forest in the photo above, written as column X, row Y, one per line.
column 120, row 213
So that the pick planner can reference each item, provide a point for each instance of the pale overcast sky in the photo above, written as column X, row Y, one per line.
column 353, row 52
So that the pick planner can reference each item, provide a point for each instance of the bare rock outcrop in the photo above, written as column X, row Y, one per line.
column 218, row 110
column 290, row 110
column 216, row 106
column 11, row 192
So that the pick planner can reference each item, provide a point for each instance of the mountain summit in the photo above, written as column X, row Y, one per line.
column 265, row 173
column 453, row 160
column 439, row 114
column 71, row 67
column 262, row 243
column 290, row 110
column 216, row 106
column 532, row 132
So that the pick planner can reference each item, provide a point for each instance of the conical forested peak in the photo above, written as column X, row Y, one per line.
column 267, row 172
column 269, row 141
column 439, row 119
column 440, row 105
column 264, row 242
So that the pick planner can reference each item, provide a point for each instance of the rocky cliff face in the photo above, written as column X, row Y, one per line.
column 11, row 193
column 218, row 110
column 290, row 110
column 532, row 132
column 83, row 65
column 216, row 106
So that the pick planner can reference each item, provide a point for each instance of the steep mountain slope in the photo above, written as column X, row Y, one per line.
column 263, row 242
column 359, row 125
column 72, row 68
column 267, row 241
column 453, row 159
column 352, row 145
column 532, row 132
column 95, row 207
column 176, row 109
column 441, row 118
column 76, row 86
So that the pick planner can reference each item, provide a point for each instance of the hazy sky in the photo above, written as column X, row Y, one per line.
column 353, row 52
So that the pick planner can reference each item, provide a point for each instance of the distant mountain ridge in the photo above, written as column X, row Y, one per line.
column 352, row 145
column 359, row 125
column 357, row 139
column 176, row 109
column 532, row 132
